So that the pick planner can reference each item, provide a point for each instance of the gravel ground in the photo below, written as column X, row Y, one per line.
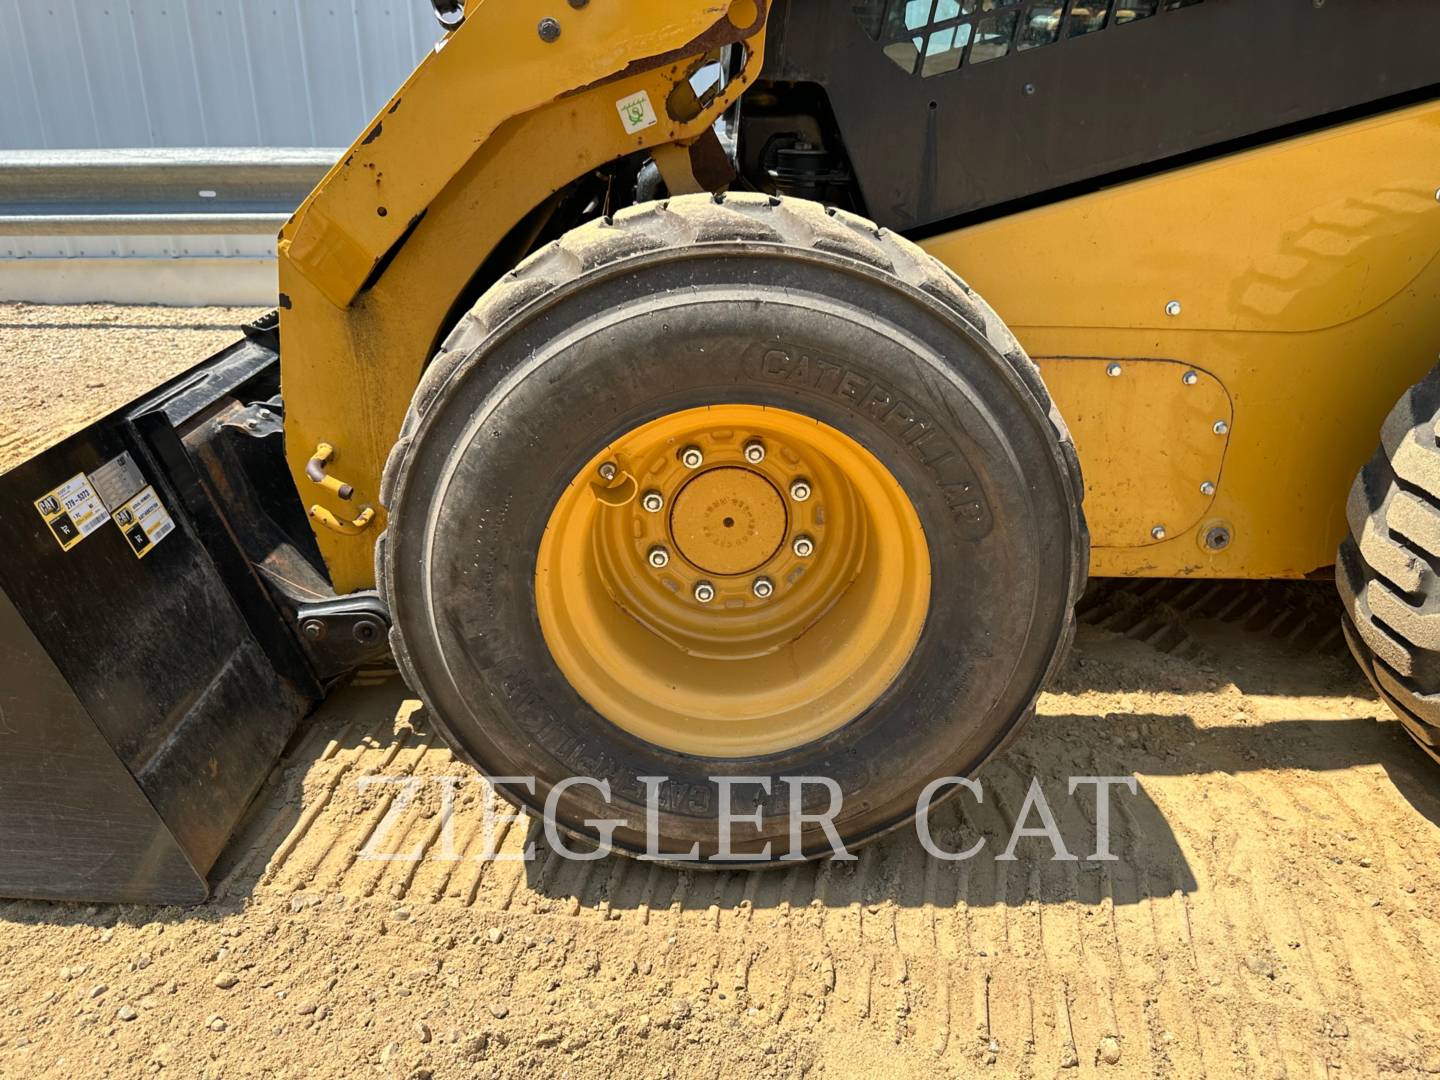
column 1273, row 911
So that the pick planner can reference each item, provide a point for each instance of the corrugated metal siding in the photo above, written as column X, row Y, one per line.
column 98, row 74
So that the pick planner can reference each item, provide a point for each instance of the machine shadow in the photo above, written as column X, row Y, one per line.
column 1150, row 860
column 1264, row 637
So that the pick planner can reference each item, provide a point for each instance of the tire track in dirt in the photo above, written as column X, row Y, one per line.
column 1059, row 966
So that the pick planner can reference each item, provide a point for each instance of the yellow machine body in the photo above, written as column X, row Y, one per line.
column 1300, row 281
column 1224, row 339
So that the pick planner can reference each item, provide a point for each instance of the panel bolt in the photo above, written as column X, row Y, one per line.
column 704, row 592
column 1158, row 532
column 1113, row 370
column 1207, row 488
column 1172, row 308
column 549, row 30
column 607, row 471
column 754, row 451
column 314, row 629
column 763, row 587
column 1221, row 428
column 658, row 557
column 803, row 547
column 800, row 490
column 1217, row 538
column 692, row 457
column 653, row 501
column 1190, row 378
column 578, row 4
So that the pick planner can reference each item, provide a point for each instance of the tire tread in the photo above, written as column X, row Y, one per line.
column 1388, row 568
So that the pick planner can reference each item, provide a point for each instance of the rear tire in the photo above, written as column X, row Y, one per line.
column 704, row 302
column 1388, row 568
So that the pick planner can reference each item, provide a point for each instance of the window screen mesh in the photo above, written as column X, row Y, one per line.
column 931, row 37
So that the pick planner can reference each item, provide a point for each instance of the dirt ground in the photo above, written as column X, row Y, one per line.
column 1274, row 910
column 62, row 367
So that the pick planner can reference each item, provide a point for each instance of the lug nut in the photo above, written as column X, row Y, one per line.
column 692, row 457
column 658, row 557
column 653, row 501
column 754, row 451
column 704, row 592
column 803, row 547
column 607, row 471
column 763, row 587
column 800, row 490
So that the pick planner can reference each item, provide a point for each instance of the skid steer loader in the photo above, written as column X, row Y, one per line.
column 688, row 392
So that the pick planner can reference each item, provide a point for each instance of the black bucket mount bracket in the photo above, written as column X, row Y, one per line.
column 340, row 634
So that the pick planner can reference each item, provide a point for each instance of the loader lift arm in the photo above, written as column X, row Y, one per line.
column 375, row 259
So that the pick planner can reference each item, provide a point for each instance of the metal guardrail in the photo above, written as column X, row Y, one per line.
column 140, row 224
column 159, row 192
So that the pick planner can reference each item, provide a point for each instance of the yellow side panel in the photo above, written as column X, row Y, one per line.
column 1303, row 277
column 1155, row 431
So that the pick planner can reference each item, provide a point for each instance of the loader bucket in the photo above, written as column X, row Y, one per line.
column 148, row 681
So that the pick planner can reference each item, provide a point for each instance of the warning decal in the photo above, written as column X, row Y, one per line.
column 73, row 511
column 145, row 522
column 117, row 481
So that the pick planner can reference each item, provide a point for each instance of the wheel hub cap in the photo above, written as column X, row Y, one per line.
column 728, row 520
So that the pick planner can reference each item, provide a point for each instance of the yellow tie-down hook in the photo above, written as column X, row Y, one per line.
column 615, row 486
column 315, row 470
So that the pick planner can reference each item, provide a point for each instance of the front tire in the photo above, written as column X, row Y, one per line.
column 819, row 334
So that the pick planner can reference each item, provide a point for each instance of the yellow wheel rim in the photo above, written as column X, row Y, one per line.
column 732, row 581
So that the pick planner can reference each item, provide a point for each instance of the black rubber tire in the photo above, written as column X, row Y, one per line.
column 1388, row 568
column 684, row 303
